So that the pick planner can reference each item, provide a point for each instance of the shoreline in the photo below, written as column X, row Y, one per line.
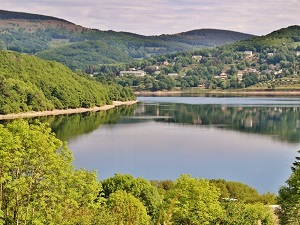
column 234, row 93
column 56, row 112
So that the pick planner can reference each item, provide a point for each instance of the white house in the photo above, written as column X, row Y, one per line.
column 197, row 57
column 138, row 73
column 173, row 74
column 248, row 53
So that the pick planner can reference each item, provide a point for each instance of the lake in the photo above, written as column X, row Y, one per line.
column 252, row 140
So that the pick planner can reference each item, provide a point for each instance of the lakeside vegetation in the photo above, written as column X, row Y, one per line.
column 28, row 83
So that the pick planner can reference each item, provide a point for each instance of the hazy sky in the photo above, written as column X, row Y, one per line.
column 154, row 17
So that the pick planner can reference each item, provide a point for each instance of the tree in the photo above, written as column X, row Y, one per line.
column 233, row 70
column 138, row 187
column 38, row 184
column 196, row 201
column 127, row 209
column 289, row 197
column 2, row 45
column 237, row 213
column 242, row 192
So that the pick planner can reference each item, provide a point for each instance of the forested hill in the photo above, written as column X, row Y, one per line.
column 212, row 37
column 33, row 34
column 28, row 83
column 264, row 63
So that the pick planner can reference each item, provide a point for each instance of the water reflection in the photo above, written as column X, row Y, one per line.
column 67, row 127
column 278, row 117
column 205, row 137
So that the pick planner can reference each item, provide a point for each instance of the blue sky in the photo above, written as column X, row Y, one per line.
column 155, row 17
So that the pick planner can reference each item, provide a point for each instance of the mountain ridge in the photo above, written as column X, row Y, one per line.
column 8, row 15
column 33, row 33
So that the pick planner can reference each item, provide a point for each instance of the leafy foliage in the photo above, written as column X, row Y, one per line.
column 79, row 55
column 242, row 192
column 38, row 182
column 139, row 187
column 247, row 214
column 127, row 209
column 196, row 201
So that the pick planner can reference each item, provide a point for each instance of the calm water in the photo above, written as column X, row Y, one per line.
column 250, row 140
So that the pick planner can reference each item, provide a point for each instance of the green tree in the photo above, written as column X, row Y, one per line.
column 289, row 197
column 2, row 45
column 196, row 201
column 127, row 209
column 242, row 192
column 38, row 184
column 237, row 213
column 138, row 187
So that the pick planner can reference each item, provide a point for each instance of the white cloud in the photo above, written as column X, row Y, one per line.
column 167, row 16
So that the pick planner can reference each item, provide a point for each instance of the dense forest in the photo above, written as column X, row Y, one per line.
column 85, row 55
column 262, row 63
column 28, row 83
column 39, row 185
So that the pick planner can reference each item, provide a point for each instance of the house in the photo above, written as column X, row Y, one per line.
column 165, row 63
column 197, row 57
column 248, row 53
column 222, row 76
column 137, row 73
column 173, row 74
column 239, row 75
column 251, row 70
column 298, row 53
column 270, row 54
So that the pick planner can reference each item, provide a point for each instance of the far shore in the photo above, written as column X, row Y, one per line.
column 213, row 92
column 64, row 111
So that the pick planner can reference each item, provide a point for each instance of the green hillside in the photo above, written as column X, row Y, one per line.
column 265, row 63
column 285, row 38
column 208, row 37
column 30, row 33
column 81, row 54
column 28, row 83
